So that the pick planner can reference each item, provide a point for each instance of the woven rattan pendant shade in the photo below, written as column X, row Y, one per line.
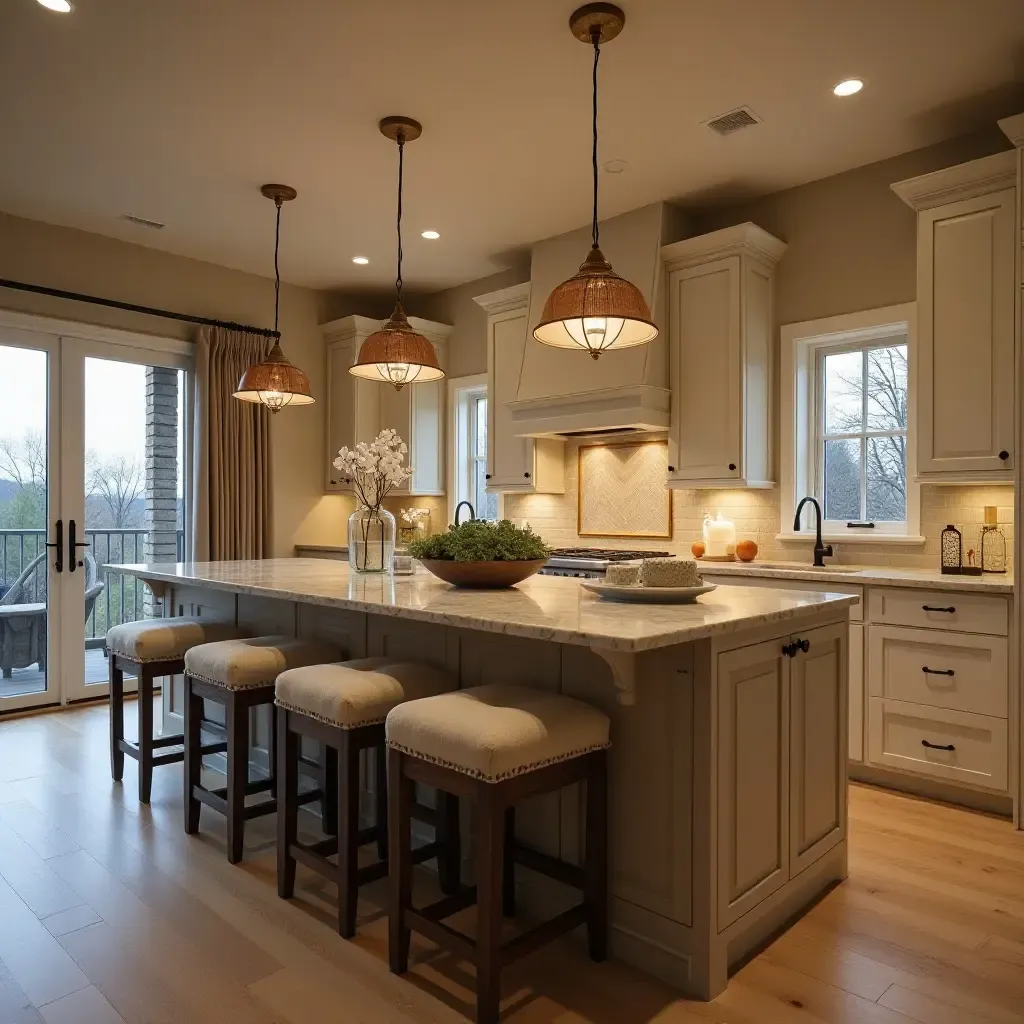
column 397, row 355
column 274, row 382
column 595, row 310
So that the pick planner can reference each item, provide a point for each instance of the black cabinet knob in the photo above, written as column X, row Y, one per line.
column 1004, row 455
column 527, row 475
column 732, row 466
column 334, row 482
column 671, row 469
column 487, row 476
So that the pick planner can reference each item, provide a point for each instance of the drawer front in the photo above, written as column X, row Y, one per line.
column 737, row 579
column 959, row 671
column 936, row 609
column 949, row 745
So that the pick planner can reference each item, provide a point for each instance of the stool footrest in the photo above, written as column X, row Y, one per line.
column 440, row 933
column 172, row 758
column 443, row 908
column 168, row 741
column 518, row 947
column 544, row 864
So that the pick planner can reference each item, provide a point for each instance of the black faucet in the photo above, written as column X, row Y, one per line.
column 820, row 550
column 458, row 509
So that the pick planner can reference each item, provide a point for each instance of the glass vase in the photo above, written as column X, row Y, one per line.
column 371, row 540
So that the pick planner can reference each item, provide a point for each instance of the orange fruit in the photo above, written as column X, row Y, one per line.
column 746, row 551
column 697, row 549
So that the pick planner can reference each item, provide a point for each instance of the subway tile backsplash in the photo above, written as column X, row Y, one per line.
column 756, row 515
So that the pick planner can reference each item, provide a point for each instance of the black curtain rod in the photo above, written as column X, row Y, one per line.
column 57, row 293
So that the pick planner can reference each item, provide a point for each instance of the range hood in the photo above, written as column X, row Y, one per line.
column 564, row 394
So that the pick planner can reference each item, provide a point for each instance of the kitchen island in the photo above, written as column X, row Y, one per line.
column 728, row 763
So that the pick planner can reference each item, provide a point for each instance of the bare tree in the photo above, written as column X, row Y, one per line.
column 23, row 459
column 118, row 483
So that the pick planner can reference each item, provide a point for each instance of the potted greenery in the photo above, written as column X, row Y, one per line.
column 478, row 553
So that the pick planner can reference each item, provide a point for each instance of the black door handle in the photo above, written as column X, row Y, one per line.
column 73, row 546
column 58, row 563
column 932, row 608
column 937, row 746
column 938, row 671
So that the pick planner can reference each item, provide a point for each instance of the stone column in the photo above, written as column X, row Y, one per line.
column 161, row 520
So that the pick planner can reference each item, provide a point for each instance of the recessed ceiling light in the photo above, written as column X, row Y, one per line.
column 848, row 87
column 430, row 234
column 61, row 6
column 361, row 260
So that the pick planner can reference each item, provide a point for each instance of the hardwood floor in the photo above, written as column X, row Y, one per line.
column 109, row 913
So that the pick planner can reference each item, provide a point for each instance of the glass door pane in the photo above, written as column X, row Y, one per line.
column 27, row 479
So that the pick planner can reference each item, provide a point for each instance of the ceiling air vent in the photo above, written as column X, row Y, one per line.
column 132, row 219
column 734, row 121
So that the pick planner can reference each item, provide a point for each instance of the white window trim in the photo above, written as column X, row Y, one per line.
column 801, row 344
column 460, row 390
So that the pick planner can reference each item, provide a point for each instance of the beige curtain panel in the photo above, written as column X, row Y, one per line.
column 231, row 514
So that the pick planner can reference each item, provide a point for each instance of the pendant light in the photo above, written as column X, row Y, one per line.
column 275, row 382
column 396, row 354
column 596, row 310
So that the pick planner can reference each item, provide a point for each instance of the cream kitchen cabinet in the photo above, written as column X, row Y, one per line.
column 514, row 464
column 720, row 309
column 964, row 365
column 357, row 410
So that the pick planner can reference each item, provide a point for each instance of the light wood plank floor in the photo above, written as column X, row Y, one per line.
column 109, row 913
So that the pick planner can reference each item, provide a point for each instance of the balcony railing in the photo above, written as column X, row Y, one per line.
column 123, row 597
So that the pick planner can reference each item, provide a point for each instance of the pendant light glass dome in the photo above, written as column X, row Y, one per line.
column 396, row 354
column 275, row 382
column 596, row 310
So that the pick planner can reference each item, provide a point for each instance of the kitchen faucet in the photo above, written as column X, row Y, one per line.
column 820, row 550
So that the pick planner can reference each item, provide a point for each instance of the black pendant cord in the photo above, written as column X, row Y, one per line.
column 277, row 272
column 401, row 168
column 595, row 34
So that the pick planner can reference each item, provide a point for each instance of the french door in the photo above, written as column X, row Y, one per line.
column 94, row 467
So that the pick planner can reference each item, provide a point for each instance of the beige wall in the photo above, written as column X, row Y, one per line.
column 79, row 261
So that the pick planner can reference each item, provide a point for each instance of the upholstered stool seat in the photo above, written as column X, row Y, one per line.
column 343, row 707
column 150, row 649
column 497, row 731
column 240, row 675
column 497, row 745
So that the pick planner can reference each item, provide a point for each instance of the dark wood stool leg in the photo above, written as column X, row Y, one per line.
column 116, row 717
column 489, row 849
column 399, row 861
column 449, row 862
column 508, row 876
column 287, row 803
column 347, row 810
column 193, row 755
column 329, row 788
column 380, row 793
column 237, row 715
column 596, row 864
column 145, row 699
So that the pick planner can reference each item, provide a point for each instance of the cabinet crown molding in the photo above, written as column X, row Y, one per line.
column 358, row 328
column 505, row 299
column 740, row 240
column 1013, row 129
column 964, row 181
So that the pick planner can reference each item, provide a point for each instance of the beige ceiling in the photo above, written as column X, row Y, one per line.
column 177, row 110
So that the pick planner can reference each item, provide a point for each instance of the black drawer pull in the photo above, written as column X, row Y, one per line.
column 938, row 671
column 937, row 746
column 732, row 466
column 1004, row 455
column 931, row 608
column 791, row 650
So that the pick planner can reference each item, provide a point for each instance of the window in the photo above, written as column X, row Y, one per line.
column 467, row 459
column 861, row 449
column 847, row 426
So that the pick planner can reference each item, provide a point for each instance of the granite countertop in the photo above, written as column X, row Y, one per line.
column 551, row 608
column 926, row 579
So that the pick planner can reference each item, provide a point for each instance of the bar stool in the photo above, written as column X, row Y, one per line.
column 343, row 707
column 240, row 675
column 149, row 649
column 497, row 745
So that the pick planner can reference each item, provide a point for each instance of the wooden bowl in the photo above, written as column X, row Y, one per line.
column 483, row 575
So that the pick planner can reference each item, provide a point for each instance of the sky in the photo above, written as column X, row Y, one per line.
column 115, row 402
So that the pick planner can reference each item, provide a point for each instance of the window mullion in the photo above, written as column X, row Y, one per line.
column 863, row 440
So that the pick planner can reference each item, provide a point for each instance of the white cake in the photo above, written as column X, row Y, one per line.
column 669, row 572
column 622, row 574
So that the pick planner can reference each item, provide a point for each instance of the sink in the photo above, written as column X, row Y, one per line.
column 796, row 567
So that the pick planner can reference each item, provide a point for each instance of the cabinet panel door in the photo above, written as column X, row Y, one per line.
column 753, row 777
column 818, row 724
column 708, row 391
column 966, row 308
column 857, row 693
column 340, row 391
column 509, row 458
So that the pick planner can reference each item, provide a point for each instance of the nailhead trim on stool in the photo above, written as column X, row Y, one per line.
column 342, row 707
column 469, row 745
column 240, row 675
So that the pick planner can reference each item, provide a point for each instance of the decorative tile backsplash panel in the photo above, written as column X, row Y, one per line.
column 622, row 492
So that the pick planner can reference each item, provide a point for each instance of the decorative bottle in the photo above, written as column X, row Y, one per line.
column 993, row 543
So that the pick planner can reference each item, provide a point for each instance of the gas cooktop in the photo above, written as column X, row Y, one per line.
column 592, row 562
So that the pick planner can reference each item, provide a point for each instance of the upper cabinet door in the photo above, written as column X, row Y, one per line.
column 509, row 458
column 965, row 345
